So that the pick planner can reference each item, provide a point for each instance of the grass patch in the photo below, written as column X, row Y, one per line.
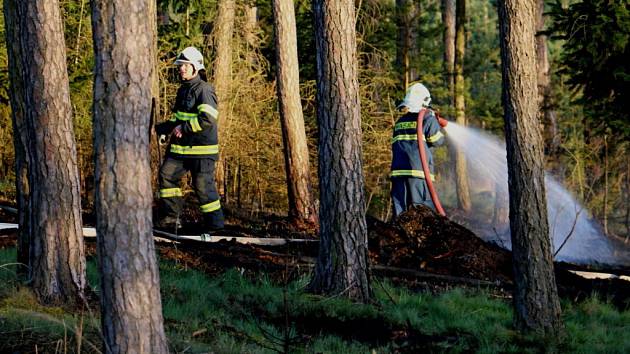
column 234, row 314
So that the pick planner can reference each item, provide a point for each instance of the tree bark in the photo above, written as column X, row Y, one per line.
column 501, row 216
column 547, row 113
column 535, row 294
column 131, row 309
column 407, row 11
column 301, row 206
column 250, row 27
column 13, row 23
column 448, row 35
column 223, row 32
column 461, row 170
column 57, row 260
column 342, row 264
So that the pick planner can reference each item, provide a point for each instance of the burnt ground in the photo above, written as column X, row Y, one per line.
column 422, row 251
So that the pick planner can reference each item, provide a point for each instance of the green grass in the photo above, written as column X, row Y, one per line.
column 234, row 314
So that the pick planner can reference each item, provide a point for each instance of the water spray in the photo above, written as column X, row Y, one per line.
column 576, row 237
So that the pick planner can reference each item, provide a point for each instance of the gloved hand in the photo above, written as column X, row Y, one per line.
column 162, row 139
column 443, row 122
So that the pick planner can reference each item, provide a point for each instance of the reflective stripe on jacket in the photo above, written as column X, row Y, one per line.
column 196, row 111
column 405, row 155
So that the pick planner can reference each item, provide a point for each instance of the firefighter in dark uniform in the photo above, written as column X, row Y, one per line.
column 408, row 179
column 193, row 145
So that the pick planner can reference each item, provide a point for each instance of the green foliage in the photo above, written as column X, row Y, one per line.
column 233, row 313
column 482, row 67
column 7, row 157
column 595, row 59
column 183, row 23
column 594, row 48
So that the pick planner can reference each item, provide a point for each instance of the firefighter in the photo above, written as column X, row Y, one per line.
column 408, row 179
column 193, row 145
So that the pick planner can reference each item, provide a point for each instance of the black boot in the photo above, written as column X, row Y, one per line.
column 213, row 222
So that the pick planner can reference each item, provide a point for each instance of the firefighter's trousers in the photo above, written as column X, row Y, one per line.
column 202, row 172
column 409, row 191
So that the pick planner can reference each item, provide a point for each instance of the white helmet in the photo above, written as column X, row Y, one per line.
column 417, row 96
column 191, row 55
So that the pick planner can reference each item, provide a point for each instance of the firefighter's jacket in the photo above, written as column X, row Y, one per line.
column 196, row 111
column 405, row 155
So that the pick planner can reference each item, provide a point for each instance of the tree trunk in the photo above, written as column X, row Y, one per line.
column 501, row 216
column 406, row 18
column 461, row 171
column 535, row 294
column 57, row 260
column 250, row 26
column 301, row 206
column 13, row 23
column 448, row 18
column 547, row 113
column 223, row 32
column 412, row 40
column 342, row 264
column 131, row 309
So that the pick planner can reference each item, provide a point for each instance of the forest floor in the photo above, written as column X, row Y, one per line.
column 422, row 252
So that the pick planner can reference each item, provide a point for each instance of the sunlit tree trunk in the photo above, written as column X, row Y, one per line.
column 249, row 29
column 536, row 304
column 547, row 112
column 461, row 171
column 56, row 254
column 223, row 33
column 301, row 206
column 342, row 264
column 448, row 35
column 131, row 308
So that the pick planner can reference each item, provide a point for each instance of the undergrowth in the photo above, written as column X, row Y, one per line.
column 236, row 314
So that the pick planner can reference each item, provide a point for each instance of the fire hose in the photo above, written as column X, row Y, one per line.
column 423, row 160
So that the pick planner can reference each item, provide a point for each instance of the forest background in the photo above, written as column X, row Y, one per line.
column 587, row 142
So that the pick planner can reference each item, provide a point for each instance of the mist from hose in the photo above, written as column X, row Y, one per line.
column 579, row 239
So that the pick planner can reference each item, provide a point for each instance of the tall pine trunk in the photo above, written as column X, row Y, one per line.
column 56, row 254
column 301, row 206
column 342, row 264
column 448, row 36
column 131, row 308
column 406, row 15
column 547, row 113
column 461, row 170
column 223, row 33
column 536, row 304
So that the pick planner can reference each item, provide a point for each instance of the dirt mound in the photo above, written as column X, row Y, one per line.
column 421, row 239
